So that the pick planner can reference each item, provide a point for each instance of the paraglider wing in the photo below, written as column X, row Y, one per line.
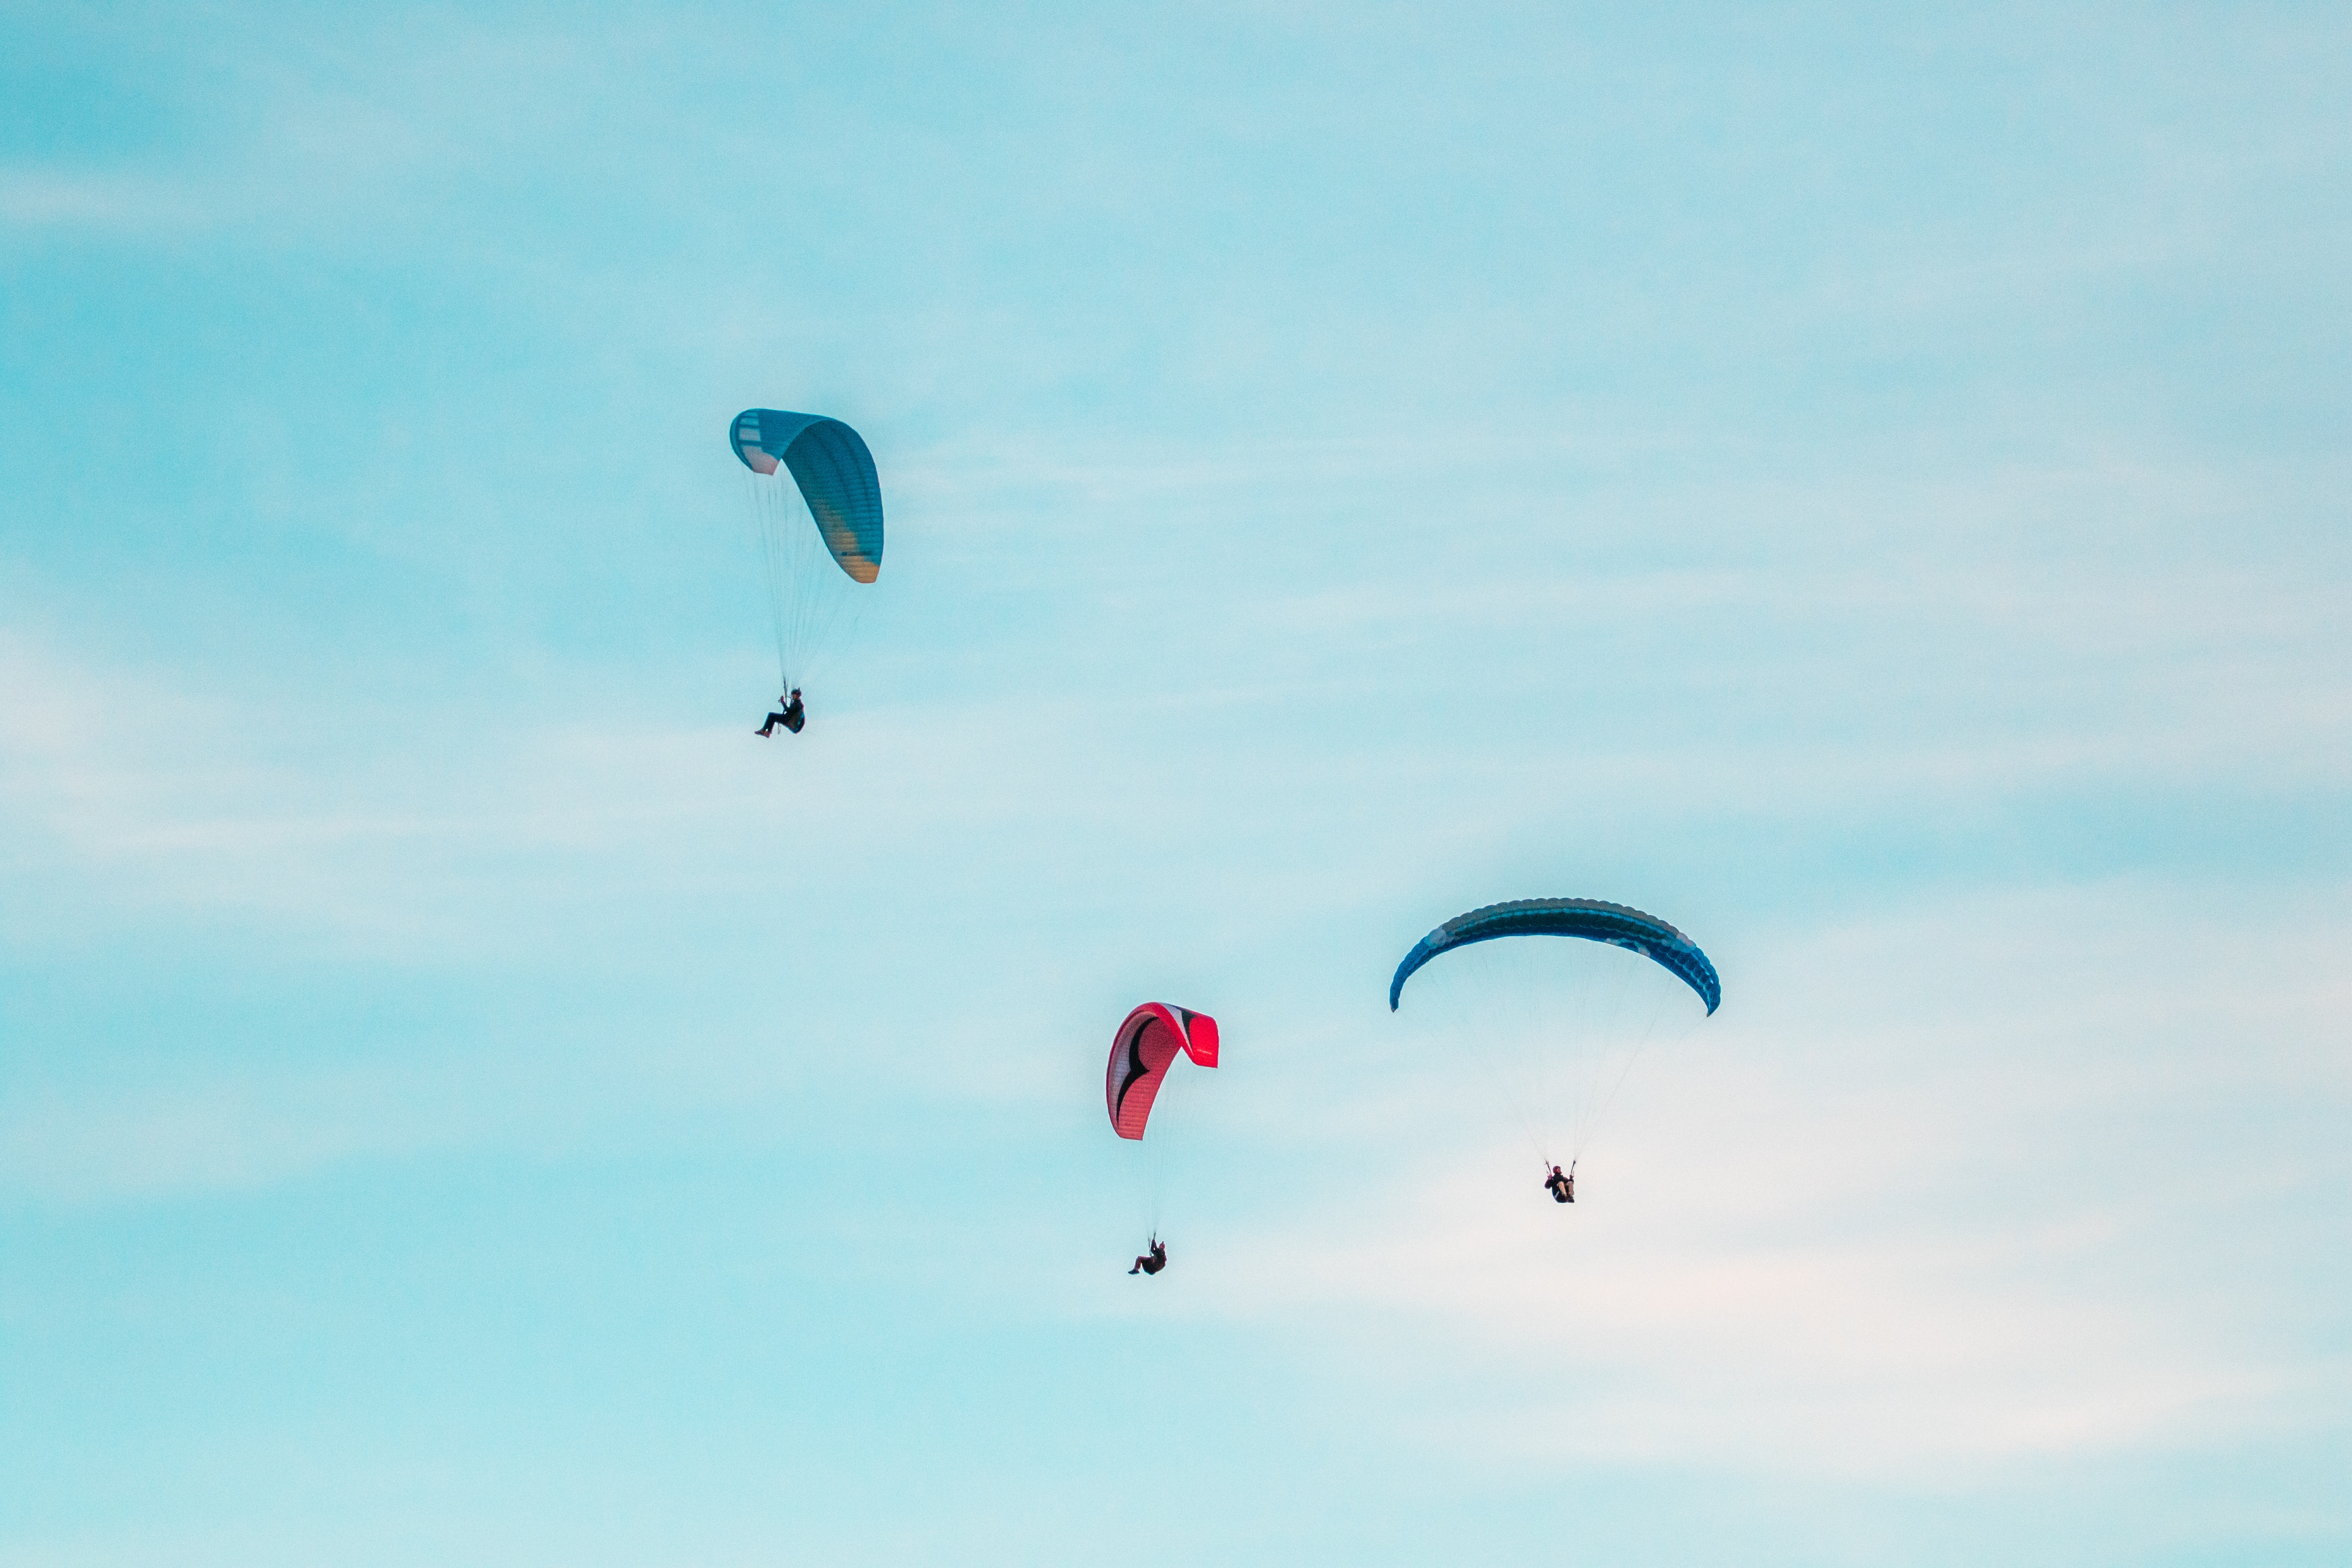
column 1590, row 918
column 834, row 471
column 1141, row 1053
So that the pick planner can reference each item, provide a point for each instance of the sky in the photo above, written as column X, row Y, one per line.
column 1867, row 484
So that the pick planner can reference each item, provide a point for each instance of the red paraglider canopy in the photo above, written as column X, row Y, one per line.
column 1141, row 1053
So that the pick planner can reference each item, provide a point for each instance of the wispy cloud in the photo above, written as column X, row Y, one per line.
column 37, row 198
column 1959, row 1188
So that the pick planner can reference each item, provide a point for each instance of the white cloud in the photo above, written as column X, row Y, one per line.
column 1918, row 1204
column 277, row 809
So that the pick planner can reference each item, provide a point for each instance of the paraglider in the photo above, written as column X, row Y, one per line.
column 1557, row 1024
column 820, row 540
column 1141, row 1053
column 792, row 716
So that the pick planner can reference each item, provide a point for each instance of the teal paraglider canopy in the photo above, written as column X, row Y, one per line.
column 1590, row 918
column 1556, row 1025
column 835, row 474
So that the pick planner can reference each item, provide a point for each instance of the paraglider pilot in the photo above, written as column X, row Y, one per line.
column 1562, row 1187
column 1153, row 1261
column 792, row 718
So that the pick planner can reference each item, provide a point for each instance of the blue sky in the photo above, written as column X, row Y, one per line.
column 1868, row 486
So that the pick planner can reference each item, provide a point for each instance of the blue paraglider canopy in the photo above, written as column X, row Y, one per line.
column 834, row 471
column 1590, row 918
